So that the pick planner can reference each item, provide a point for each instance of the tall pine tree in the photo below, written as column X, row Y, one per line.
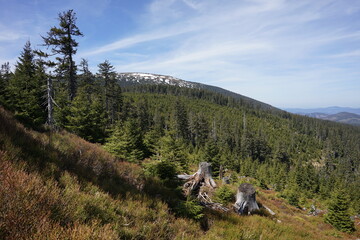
column 26, row 89
column 112, row 90
column 62, row 42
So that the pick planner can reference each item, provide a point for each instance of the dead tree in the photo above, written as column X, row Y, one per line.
column 50, row 100
column 245, row 199
column 202, row 178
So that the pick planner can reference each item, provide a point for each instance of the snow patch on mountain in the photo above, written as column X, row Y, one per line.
column 149, row 78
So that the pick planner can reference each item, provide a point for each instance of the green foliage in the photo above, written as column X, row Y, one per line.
column 5, row 75
column 172, row 150
column 338, row 215
column 212, row 155
column 166, row 170
column 111, row 91
column 126, row 142
column 224, row 195
column 190, row 209
column 292, row 194
column 87, row 117
column 181, row 121
column 25, row 89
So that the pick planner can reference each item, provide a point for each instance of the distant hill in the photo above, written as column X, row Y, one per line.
column 335, row 114
column 133, row 79
column 328, row 110
column 343, row 117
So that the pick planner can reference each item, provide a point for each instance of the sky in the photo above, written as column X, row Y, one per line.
column 287, row 53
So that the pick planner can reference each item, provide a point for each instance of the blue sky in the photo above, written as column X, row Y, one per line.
column 288, row 53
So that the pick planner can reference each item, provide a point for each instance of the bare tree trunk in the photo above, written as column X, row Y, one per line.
column 245, row 199
column 50, row 106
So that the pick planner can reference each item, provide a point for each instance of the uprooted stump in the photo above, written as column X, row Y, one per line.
column 245, row 199
column 201, row 178
column 200, row 184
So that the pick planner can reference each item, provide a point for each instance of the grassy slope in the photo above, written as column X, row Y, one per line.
column 59, row 185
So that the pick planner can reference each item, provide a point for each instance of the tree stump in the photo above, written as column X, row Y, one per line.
column 199, row 179
column 245, row 199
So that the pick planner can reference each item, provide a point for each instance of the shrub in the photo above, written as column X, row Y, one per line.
column 224, row 195
column 190, row 209
column 165, row 170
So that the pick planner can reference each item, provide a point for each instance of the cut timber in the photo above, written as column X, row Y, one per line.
column 245, row 199
column 201, row 178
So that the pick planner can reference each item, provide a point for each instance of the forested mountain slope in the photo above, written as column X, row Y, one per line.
column 134, row 79
column 56, row 185
column 302, row 154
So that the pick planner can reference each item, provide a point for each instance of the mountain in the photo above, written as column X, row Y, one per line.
column 132, row 79
column 328, row 110
column 317, row 115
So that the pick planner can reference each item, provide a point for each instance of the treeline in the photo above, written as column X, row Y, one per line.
column 176, row 127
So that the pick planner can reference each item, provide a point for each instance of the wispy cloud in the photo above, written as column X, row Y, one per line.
column 355, row 53
column 7, row 34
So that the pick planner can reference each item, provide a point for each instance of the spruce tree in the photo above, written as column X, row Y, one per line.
column 212, row 155
column 171, row 150
column 87, row 80
column 87, row 117
column 338, row 215
column 126, row 141
column 26, row 89
column 112, row 91
column 5, row 76
column 61, row 39
column 181, row 121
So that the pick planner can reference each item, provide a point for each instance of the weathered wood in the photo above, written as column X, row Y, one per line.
column 269, row 210
column 201, row 178
column 50, row 108
column 246, row 199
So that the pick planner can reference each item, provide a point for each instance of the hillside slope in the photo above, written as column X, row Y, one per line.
column 58, row 185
